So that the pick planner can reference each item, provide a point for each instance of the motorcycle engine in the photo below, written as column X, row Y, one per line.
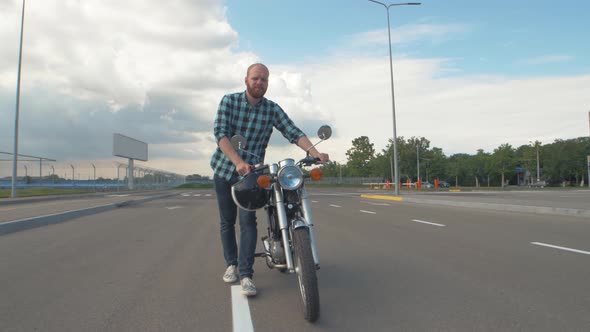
column 276, row 251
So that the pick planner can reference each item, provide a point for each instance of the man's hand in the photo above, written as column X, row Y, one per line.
column 243, row 168
column 323, row 157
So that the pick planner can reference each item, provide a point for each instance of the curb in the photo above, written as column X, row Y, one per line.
column 492, row 206
column 50, row 219
column 34, row 199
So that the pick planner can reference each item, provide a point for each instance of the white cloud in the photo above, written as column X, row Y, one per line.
column 435, row 33
column 546, row 59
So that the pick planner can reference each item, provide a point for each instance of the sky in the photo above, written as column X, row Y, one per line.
column 468, row 75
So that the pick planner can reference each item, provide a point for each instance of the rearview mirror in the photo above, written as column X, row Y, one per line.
column 238, row 142
column 324, row 132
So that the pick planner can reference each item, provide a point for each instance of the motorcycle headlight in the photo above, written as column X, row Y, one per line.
column 290, row 177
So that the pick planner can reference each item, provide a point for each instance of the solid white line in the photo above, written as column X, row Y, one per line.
column 173, row 207
column 429, row 223
column 241, row 311
column 332, row 205
column 370, row 212
column 117, row 195
column 562, row 248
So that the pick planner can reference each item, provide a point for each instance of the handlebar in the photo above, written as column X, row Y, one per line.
column 309, row 161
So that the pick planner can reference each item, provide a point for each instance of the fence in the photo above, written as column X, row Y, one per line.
column 100, row 176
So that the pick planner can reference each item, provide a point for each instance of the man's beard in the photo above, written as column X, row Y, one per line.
column 256, row 92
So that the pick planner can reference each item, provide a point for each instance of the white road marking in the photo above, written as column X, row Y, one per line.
column 242, row 320
column 173, row 207
column 380, row 204
column 314, row 201
column 8, row 209
column 208, row 195
column 561, row 248
column 333, row 205
column 429, row 223
column 370, row 212
column 186, row 195
column 118, row 195
column 197, row 195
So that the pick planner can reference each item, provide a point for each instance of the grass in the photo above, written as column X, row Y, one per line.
column 31, row 192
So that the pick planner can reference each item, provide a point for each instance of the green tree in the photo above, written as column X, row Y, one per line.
column 360, row 156
column 503, row 161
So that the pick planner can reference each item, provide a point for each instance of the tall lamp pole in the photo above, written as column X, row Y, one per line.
column 396, row 176
column 15, row 155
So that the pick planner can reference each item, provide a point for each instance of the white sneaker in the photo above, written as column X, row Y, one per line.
column 248, row 287
column 231, row 274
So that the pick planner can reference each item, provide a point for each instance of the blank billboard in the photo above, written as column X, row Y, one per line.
column 128, row 147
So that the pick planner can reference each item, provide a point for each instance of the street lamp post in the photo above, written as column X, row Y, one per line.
column 94, row 178
column 73, row 176
column 52, row 174
column 15, row 155
column 396, row 176
column 417, row 164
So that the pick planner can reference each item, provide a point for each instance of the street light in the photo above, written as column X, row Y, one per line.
column 396, row 176
column 537, row 144
column 15, row 155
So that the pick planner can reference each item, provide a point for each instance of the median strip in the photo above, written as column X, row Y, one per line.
column 384, row 197
column 39, row 221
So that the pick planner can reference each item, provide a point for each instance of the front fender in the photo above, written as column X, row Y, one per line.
column 299, row 223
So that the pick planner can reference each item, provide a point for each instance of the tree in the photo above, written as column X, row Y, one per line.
column 503, row 161
column 360, row 156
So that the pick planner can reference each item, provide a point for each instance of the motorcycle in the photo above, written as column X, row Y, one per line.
column 289, row 244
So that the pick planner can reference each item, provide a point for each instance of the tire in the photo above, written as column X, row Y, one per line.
column 306, row 274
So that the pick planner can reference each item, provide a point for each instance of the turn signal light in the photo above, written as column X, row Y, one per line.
column 263, row 181
column 315, row 174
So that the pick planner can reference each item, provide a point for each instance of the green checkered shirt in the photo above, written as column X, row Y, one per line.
column 235, row 116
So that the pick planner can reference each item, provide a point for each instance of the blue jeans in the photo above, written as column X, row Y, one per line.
column 228, row 211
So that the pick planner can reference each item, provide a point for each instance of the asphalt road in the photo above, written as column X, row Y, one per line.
column 385, row 266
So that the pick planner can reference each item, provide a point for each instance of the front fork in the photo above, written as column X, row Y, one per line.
column 307, row 216
column 284, row 225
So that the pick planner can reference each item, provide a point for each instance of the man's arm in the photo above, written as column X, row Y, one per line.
column 228, row 150
column 304, row 143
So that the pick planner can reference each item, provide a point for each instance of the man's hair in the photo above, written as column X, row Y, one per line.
column 254, row 65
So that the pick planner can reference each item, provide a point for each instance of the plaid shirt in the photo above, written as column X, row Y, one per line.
column 235, row 116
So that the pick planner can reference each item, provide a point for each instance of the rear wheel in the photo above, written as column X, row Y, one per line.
column 306, row 274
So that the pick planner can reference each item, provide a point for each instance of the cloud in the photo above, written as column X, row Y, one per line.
column 546, row 59
column 435, row 33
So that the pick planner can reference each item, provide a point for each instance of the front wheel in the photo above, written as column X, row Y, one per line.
column 306, row 274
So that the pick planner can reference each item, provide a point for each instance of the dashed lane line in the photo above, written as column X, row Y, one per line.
column 334, row 205
column 379, row 204
column 369, row 212
column 428, row 223
column 561, row 248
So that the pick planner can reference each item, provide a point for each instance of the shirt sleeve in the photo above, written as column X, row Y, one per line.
column 221, row 126
column 285, row 125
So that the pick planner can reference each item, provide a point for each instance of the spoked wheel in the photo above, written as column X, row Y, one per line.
column 306, row 274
